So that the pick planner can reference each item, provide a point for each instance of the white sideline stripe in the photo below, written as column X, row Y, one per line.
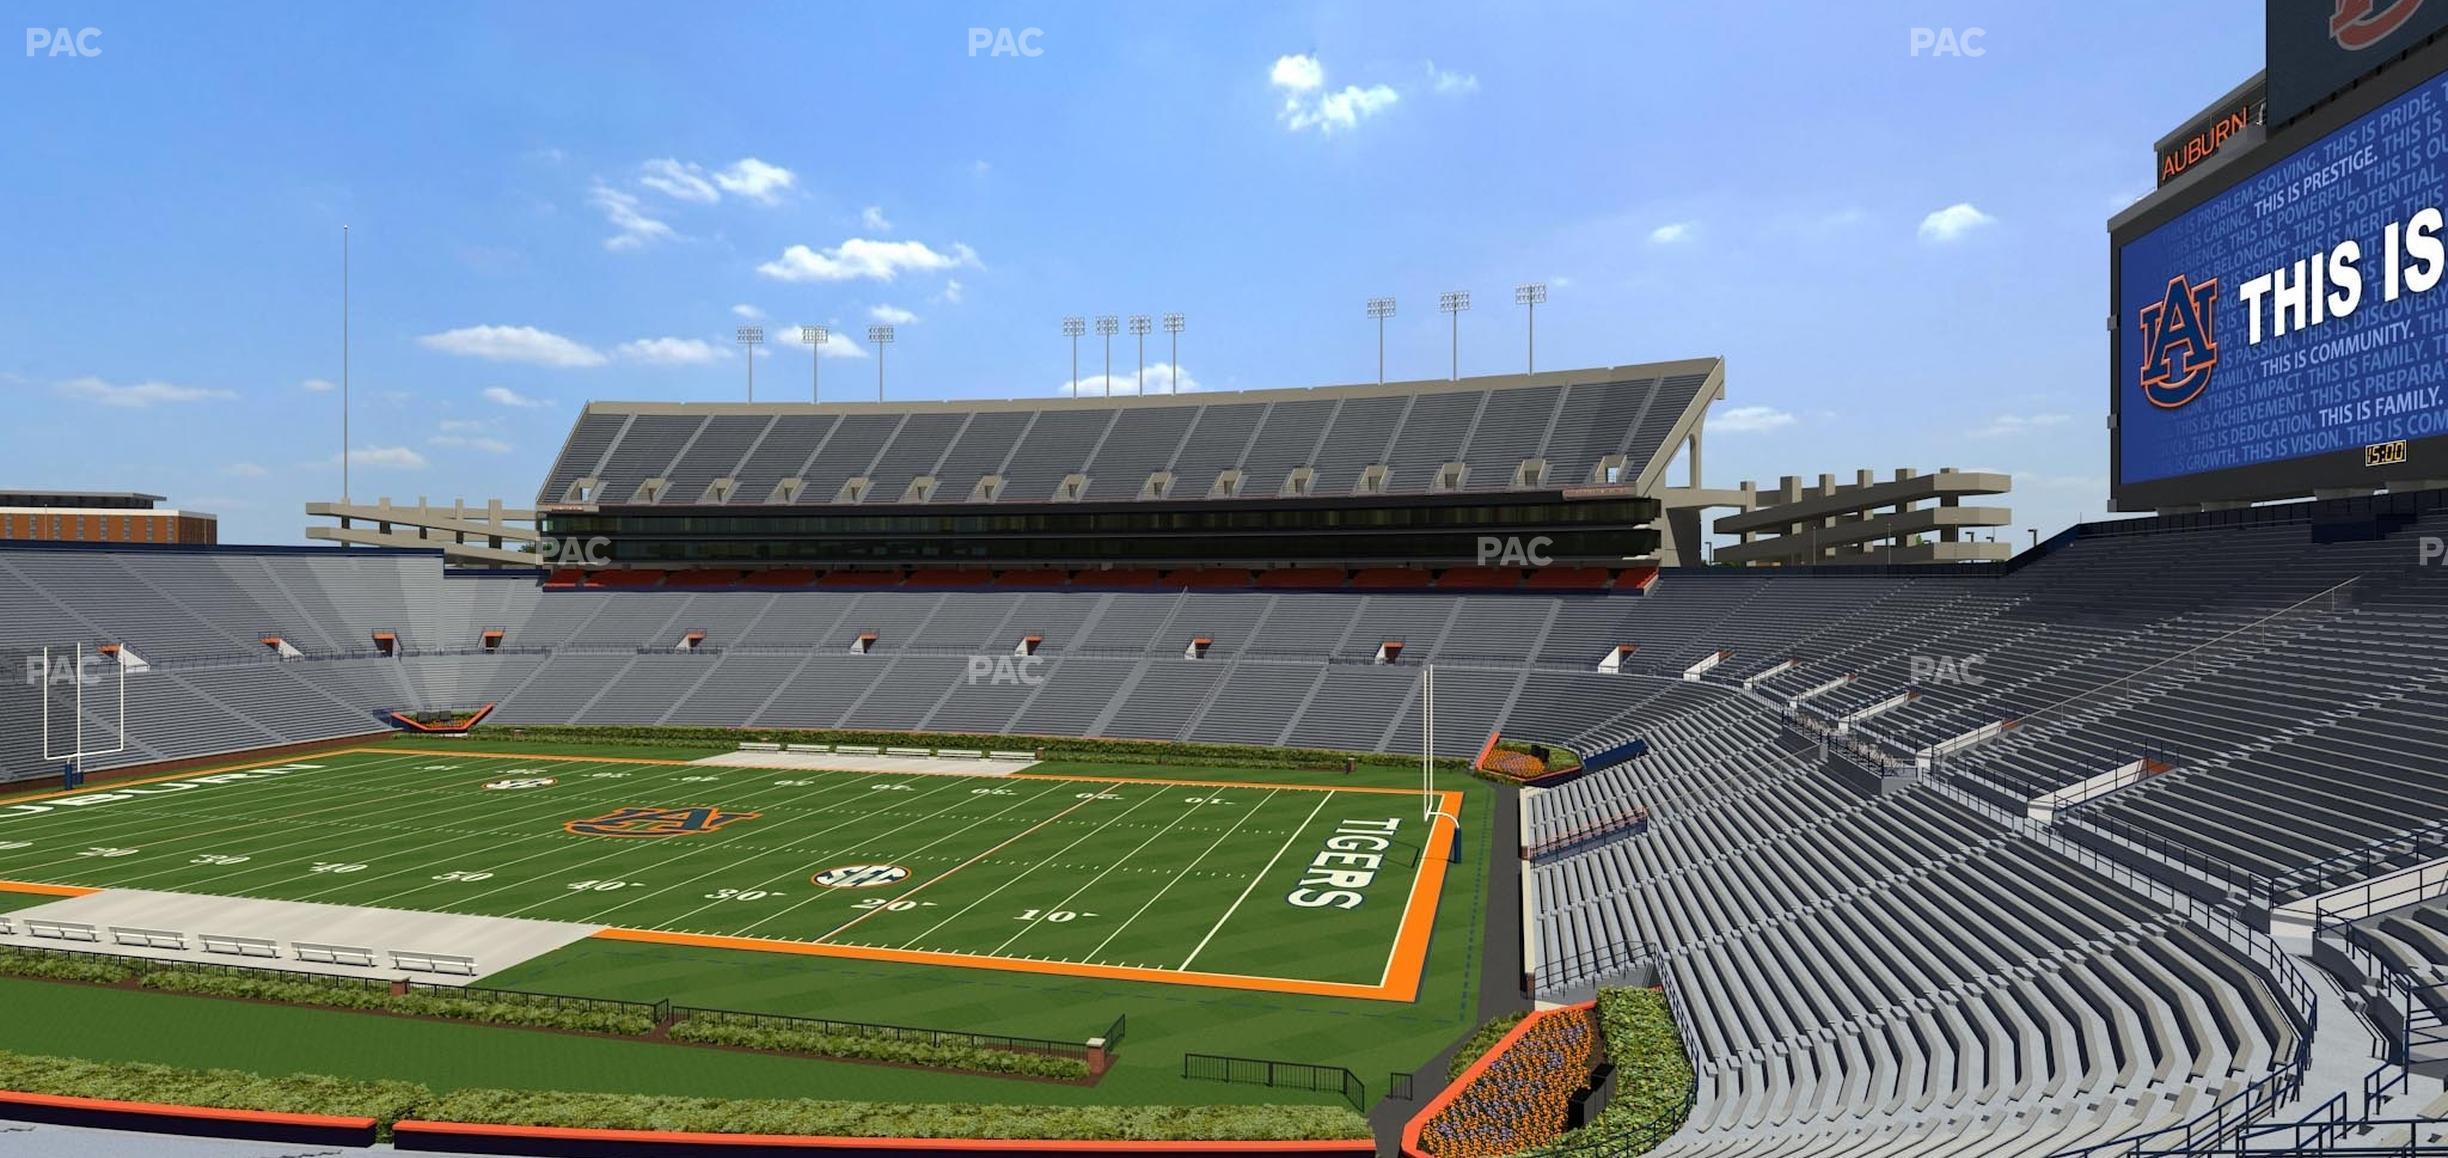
column 1093, row 954
column 1252, row 887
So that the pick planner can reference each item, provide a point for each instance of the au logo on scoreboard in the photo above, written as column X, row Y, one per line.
column 2179, row 342
column 641, row 821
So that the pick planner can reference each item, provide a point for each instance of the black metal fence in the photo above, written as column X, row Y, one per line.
column 1285, row 1075
column 826, row 1025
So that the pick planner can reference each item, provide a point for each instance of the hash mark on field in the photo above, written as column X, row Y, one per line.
column 1083, row 802
column 1094, row 954
column 1253, row 883
column 1015, row 878
column 1065, row 903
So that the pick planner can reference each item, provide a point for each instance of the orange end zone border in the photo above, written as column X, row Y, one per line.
column 1400, row 981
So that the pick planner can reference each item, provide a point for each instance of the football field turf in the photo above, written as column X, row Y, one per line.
column 1285, row 888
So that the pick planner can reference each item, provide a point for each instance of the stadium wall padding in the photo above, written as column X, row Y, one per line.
column 192, row 1121
column 562, row 1142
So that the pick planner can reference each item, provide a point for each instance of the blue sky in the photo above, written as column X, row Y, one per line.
column 1902, row 257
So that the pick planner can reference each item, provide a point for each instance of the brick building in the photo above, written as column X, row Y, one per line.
column 99, row 517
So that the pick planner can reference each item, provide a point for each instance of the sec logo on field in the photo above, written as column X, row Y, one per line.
column 861, row 876
column 514, row 783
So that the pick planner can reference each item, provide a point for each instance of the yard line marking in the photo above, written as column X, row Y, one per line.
column 1185, row 871
column 135, row 814
column 812, row 897
column 1015, row 878
column 474, row 805
column 177, row 832
column 1065, row 903
column 947, row 873
column 550, row 848
column 1253, row 883
column 597, row 918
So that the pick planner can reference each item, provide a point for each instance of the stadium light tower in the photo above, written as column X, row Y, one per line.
column 815, row 337
column 1139, row 329
column 344, row 367
column 880, row 337
column 1073, row 327
column 1173, row 326
column 1453, row 302
column 1381, row 309
column 749, row 337
column 1532, row 295
column 1106, row 325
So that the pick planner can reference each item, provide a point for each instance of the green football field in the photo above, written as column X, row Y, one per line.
column 1283, row 888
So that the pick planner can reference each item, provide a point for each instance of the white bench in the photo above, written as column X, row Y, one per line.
column 1029, row 756
column 62, row 930
column 433, row 963
column 7, row 929
column 857, row 750
column 148, row 938
column 238, row 946
column 807, row 748
column 958, row 754
column 757, row 746
column 909, row 751
column 333, row 954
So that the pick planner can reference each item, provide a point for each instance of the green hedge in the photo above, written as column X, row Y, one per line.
column 881, row 1047
column 1052, row 747
column 61, row 967
column 473, row 1007
column 1480, row 1041
column 222, row 1089
column 880, row 1119
column 1653, row 1078
column 388, row 1102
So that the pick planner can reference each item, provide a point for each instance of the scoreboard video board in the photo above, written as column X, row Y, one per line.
column 2284, row 328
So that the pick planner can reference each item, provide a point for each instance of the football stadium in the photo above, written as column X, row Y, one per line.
column 1432, row 767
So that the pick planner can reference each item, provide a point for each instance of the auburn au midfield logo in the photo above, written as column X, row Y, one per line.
column 638, row 821
column 2179, row 342
column 2359, row 24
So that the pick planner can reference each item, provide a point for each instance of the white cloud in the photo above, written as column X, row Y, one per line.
column 138, row 396
column 317, row 386
column 2006, row 424
column 1451, row 83
column 1299, row 73
column 670, row 351
column 463, row 425
column 525, row 344
column 1954, row 222
column 678, row 180
column 874, row 220
column 505, row 396
column 748, row 313
column 862, row 257
column 1339, row 110
column 1670, row 233
column 952, row 291
column 756, row 180
column 244, row 470
column 381, row 458
column 471, row 442
column 1306, row 106
column 891, row 315
column 1158, row 380
column 1749, row 420
column 636, row 228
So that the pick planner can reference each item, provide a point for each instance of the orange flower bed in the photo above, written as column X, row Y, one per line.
column 1519, row 1098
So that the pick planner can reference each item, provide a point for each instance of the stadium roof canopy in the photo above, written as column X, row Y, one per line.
column 1605, row 426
